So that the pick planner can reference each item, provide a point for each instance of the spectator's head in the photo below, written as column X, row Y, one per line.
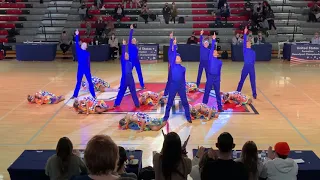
column 225, row 5
column 113, row 35
column 134, row 41
column 64, row 151
column 215, row 53
column 178, row 59
column 237, row 35
column 64, row 33
column 119, row 5
column 282, row 150
column 126, row 56
column 225, row 143
column 101, row 155
column 260, row 34
column 316, row 35
column 173, row 3
column 84, row 46
column 249, row 156
column 193, row 34
column 166, row 5
column 171, row 154
column 250, row 33
column 206, row 43
column 122, row 159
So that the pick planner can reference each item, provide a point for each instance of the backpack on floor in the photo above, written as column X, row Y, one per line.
column 224, row 55
column 181, row 20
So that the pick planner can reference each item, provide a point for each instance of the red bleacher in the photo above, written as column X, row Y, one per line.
column 237, row 11
column 203, row 25
column 200, row 12
column 87, row 40
column 14, row 11
column 12, row 5
column 3, row 32
column 236, row 5
column 9, row 18
column 118, row 1
column 199, row 5
column 93, row 25
column 3, row 40
column 7, row 25
column 211, row 18
column 197, row 32
column 84, row 32
column 112, row 6
column 312, row 3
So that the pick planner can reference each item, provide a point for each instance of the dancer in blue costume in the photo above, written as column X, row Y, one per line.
column 177, row 85
column 204, row 57
column 134, row 56
column 127, row 80
column 214, row 76
column 170, row 59
column 83, row 67
column 249, row 65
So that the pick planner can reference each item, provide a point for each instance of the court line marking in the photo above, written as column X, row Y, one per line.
column 24, row 101
column 285, row 117
column 50, row 119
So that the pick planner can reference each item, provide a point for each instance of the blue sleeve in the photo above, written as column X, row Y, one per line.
column 77, row 43
column 213, row 44
column 244, row 43
column 173, row 57
column 123, row 51
column 170, row 48
column 201, row 43
column 130, row 36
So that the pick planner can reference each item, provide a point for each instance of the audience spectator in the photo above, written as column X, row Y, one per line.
column 64, row 42
column 109, row 27
column 172, row 162
column 269, row 15
column 121, row 169
column 64, row 164
column 217, row 17
column 82, row 12
column 248, row 9
column 119, row 12
column 259, row 39
column 114, row 45
column 315, row 39
column 200, row 160
column 145, row 13
column 314, row 13
column 12, row 32
column 174, row 12
column 101, row 156
column 250, row 38
column 224, row 167
column 221, row 3
column 100, row 27
column 236, row 40
column 88, row 28
column 166, row 11
column 225, row 12
column 249, row 157
column 279, row 166
column 193, row 39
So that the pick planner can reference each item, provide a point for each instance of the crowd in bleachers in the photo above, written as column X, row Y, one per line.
column 104, row 160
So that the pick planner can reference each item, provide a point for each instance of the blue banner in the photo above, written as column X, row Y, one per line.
column 148, row 51
column 305, row 52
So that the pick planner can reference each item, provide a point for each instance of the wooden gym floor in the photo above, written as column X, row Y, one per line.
column 288, row 103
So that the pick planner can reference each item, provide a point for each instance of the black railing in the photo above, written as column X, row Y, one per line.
column 55, row 3
column 295, row 30
column 283, row 3
column 43, row 30
column 289, row 16
column 50, row 16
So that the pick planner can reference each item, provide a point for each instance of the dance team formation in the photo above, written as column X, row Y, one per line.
column 176, row 84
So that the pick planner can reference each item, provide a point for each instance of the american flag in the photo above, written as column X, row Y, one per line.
column 310, row 59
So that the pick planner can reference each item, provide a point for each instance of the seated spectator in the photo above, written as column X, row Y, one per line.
column 225, row 12
column 103, row 39
column 64, row 164
column 174, row 12
column 315, row 39
column 221, row 3
column 82, row 12
column 101, row 156
column 269, row 15
column 166, row 12
column 259, row 39
column 250, row 38
column 193, row 39
column 248, row 9
column 114, row 45
column 88, row 28
column 119, row 12
column 100, row 27
column 145, row 13
column 224, row 167
column 110, row 27
column 314, row 13
column 236, row 40
column 172, row 162
column 279, row 166
column 249, row 157
column 200, row 160
column 64, row 42
column 121, row 170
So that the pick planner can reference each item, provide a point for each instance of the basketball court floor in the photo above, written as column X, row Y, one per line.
column 287, row 109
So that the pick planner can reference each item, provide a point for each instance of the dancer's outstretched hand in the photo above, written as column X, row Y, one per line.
column 124, row 42
column 175, row 41
column 77, row 32
column 201, row 32
column 131, row 26
column 245, row 30
column 171, row 35
column 214, row 35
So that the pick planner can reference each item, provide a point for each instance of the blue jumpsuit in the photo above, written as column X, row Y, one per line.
column 170, row 58
column 248, row 68
column 83, row 69
column 177, row 85
column 134, row 58
column 204, row 57
column 127, row 81
column 213, row 79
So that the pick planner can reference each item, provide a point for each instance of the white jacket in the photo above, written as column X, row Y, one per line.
column 280, row 169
